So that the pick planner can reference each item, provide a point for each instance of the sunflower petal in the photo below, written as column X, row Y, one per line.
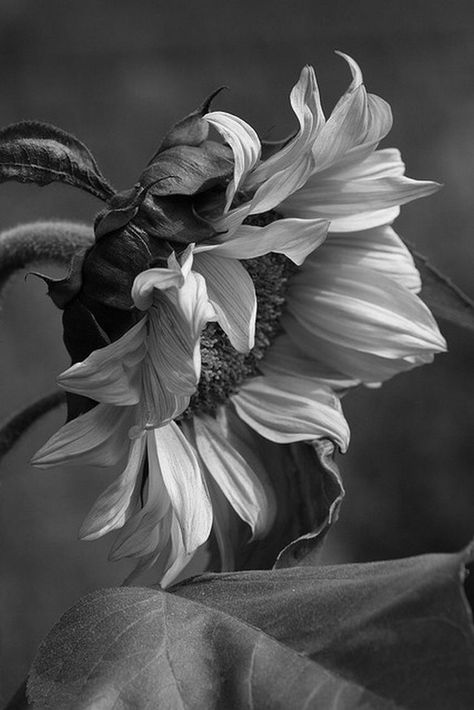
column 240, row 485
column 115, row 505
column 245, row 146
column 232, row 293
column 110, row 374
column 288, row 409
column 99, row 438
column 295, row 238
column 183, row 481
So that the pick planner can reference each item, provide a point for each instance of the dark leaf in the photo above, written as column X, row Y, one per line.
column 402, row 628
column 63, row 290
column 140, row 648
column 40, row 153
column 188, row 169
column 309, row 492
column 191, row 130
column 382, row 635
column 442, row 296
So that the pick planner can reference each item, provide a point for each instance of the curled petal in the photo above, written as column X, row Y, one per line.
column 99, row 438
column 288, row 409
column 296, row 238
column 232, row 294
column 245, row 146
column 292, row 159
column 110, row 374
column 357, row 119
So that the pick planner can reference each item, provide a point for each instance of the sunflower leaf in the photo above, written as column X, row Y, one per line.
column 40, row 153
column 382, row 635
column 442, row 296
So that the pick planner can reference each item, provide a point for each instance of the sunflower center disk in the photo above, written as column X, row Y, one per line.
column 223, row 369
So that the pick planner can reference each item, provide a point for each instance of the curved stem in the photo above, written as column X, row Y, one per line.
column 54, row 241
column 13, row 429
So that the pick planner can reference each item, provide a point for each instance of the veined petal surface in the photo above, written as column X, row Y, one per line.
column 116, row 504
column 185, row 486
column 295, row 238
column 110, row 374
column 289, row 409
column 356, row 307
column 245, row 146
column 234, row 476
column 380, row 249
column 232, row 293
column 99, row 438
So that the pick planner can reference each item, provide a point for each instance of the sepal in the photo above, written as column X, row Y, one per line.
column 40, row 153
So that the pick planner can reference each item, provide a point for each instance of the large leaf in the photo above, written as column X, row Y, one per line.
column 137, row 648
column 36, row 152
column 441, row 295
column 382, row 635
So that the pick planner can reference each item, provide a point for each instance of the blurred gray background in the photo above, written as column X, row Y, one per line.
column 118, row 74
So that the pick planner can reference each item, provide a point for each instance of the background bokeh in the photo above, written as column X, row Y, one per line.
column 118, row 75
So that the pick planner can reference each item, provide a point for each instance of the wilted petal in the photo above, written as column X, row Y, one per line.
column 357, row 119
column 183, row 481
column 296, row 238
column 110, row 374
column 235, row 477
column 99, row 438
column 380, row 249
column 289, row 409
column 115, row 505
column 293, row 157
column 245, row 146
column 232, row 293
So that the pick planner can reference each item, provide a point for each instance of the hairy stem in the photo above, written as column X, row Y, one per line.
column 53, row 241
column 15, row 427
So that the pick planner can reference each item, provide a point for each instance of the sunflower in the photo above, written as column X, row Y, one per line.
column 278, row 283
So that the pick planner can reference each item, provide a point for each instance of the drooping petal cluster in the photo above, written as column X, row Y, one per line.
column 324, row 200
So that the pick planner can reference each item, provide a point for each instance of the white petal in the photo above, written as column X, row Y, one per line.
column 99, row 438
column 364, row 220
column 178, row 557
column 285, row 358
column 116, row 504
column 245, row 146
column 183, row 480
column 375, row 184
column 289, row 409
column 232, row 293
column 294, row 155
column 111, row 374
column 241, row 486
column 357, row 119
column 359, row 308
column 380, row 249
column 296, row 238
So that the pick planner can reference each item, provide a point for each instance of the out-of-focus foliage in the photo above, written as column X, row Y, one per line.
column 118, row 79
